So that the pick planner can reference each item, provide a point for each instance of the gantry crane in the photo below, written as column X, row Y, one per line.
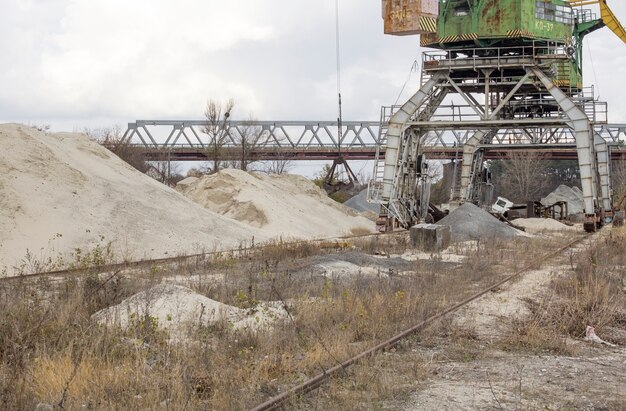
column 516, row 68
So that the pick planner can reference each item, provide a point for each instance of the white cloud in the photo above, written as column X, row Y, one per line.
column 75, row 63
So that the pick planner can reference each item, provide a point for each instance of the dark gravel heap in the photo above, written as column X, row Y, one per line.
column 359, row 203
column 469, row 222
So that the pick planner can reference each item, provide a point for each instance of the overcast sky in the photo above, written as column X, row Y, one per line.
column 91, row 63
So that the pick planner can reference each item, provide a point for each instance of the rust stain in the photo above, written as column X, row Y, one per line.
column 492, row 16
column 402, row 17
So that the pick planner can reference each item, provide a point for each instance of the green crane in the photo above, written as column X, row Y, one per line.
column 487, row 24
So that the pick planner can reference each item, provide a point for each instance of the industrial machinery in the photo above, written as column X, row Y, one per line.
column 506, row 72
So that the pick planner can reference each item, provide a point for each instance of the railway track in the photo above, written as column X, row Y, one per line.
column 336, row 242
column 330, row 243
column 316, row 381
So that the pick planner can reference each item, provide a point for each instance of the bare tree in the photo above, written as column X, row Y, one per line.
column 113, row 139
column 523, row 177
column 618, row 172
column 246, row 139
column 217, row 116
column 278, row 166
column 618, row 177
column 167, row 172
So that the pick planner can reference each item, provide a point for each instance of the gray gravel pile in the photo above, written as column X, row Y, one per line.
column 359, row 203
column 573, row 196
column 469, row 222
column 354, row 263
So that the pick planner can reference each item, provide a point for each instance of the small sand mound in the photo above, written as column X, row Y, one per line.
column 537, row 225
column 573, row 196
column 342, row 269
column 176, row 308
column 280, row 205
column 182, row 184
column 469, row 222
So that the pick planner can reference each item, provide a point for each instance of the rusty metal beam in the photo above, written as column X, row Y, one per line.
column 564, row 152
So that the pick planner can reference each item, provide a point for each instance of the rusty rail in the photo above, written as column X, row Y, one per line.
column 330, row 242
column 315, row 382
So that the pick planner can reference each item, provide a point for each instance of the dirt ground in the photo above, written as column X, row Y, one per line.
column 484, row 377
column 340, row 302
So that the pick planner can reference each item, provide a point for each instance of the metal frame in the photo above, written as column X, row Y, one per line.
column 183, row 140
column 507, row 99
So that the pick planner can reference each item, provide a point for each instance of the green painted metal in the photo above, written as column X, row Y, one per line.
column 464, row 24
column 503, row 22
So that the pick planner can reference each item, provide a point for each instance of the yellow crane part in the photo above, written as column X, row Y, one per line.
column 607, row 15
column 611, row 21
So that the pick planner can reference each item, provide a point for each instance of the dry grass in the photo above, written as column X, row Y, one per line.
column 52, row 352
column 360, row 231
column 591, row 294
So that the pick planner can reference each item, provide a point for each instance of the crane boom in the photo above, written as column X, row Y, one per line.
column 607, row 15
column 611, row 21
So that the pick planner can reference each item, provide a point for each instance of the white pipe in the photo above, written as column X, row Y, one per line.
column 397, row 125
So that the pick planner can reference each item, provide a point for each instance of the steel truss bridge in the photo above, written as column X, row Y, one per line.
column 184, row 140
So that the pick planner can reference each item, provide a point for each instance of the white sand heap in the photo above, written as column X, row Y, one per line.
column 64, row 191
column 280, row 205
column 178, row 309
column 538, row 225
column 469, row 222
column 573, row 196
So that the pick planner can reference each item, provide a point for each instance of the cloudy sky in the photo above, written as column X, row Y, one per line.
column 91, row 63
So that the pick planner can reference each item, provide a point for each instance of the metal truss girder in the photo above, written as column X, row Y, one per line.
column 357, row 134
column 488, row 124
column 508, row 97
column 467, row 97
column 295, row 134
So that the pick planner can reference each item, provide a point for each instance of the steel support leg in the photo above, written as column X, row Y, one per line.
column 397, row 125
column 469, row 151
column 584, row 145
column 604, row 170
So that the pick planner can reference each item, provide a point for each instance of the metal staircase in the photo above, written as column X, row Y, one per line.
column 375, row 185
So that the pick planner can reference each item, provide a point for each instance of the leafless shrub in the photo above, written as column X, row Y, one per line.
column 113, row 139
column 246, row 140
column 524, row 177
column 166, row 172
column 278, row 166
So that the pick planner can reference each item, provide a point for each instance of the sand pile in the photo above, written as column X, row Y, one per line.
column 63, row 191
column 178, row 309
column 469, row 222
column 537, row 225
column 359, row 203
column 573, row 196
column 280, row 205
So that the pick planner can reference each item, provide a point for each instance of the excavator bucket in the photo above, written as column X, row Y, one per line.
column 611, row 21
